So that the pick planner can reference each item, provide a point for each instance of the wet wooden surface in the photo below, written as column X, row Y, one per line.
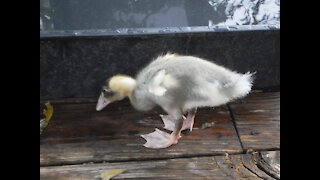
column 78, row 134
column 257, row 119
column 243, row 166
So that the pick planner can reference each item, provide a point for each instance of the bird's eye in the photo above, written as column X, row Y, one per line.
column 108, row 92
column 105, row 89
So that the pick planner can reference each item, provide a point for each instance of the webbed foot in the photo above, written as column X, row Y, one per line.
column 160, row 139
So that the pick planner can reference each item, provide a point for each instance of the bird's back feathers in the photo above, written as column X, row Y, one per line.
column 173, row 80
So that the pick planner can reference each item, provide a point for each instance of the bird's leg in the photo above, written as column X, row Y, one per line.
column 188, row 122
column 160, row 139
column 169, row 121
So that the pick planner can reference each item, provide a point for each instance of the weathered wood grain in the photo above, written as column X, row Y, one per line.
column 257, row 119
column 242, row 166
column 270, row 163
column 77, row 134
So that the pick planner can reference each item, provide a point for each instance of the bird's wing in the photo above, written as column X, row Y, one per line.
column 161, row 82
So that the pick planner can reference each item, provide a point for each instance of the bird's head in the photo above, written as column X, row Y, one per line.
column 115, row 89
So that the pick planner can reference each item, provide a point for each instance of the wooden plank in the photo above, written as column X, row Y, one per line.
column 250, row 162
column 77, row 134
column 257, row 119
column 213, row 167
column 69, row 100
column 270, row 163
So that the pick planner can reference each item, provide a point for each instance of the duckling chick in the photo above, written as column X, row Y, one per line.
column 179, row 85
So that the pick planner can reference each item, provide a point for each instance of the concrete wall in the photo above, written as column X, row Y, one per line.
column 77, row 67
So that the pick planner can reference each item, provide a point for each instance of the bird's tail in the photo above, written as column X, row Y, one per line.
column 241, row 86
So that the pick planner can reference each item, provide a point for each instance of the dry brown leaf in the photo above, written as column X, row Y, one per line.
column 47, row 112
column 108, row 174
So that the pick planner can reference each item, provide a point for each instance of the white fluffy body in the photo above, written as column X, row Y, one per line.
column 161, row 82
column 179, row 83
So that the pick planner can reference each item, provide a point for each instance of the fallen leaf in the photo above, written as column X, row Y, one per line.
column 47, row 112
column 108, row 174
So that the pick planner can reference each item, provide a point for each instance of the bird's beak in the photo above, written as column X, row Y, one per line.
column 102, row 102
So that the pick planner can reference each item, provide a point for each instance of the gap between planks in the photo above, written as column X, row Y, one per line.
column 221, row 167
column 234, row 125
column 183, row 156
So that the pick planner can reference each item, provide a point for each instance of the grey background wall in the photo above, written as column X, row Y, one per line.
column 77, row 67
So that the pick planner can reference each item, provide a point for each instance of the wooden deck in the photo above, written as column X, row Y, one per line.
column 243, row 143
